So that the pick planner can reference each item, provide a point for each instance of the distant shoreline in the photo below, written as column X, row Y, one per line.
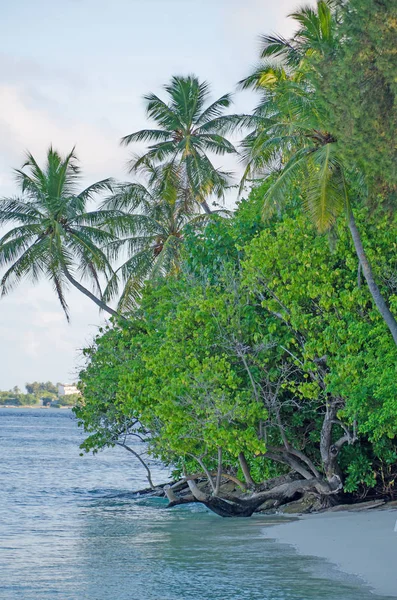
column 37, row 406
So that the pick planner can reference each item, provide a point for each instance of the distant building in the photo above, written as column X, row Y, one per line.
column 67, row 389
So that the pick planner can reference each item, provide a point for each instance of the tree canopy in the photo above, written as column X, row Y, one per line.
column 254, row 349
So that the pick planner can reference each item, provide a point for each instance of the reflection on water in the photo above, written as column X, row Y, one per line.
column 70, row 530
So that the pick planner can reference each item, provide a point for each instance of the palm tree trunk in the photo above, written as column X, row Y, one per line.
column 206, row 207
column 102, row 305
column 369, row 276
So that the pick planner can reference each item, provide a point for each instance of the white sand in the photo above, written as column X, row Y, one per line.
column 363, row 544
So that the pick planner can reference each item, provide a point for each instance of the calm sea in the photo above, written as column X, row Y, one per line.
column 70, row 530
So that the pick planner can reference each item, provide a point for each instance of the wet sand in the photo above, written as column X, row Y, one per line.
column 363, row 544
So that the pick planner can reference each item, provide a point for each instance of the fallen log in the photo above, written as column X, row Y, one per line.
column 234, row 506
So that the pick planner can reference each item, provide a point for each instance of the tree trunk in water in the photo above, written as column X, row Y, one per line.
column 91, row 296
column 369, row 277
column 245, row 469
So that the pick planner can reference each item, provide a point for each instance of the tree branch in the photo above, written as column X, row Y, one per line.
column 219, row 472
column 149, row 475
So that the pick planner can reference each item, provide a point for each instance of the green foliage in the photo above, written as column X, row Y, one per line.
column 315, row 289
column 172, row 379
column 38, row 388
column 292, row 130
column 36, row 392
column 97, row 409
column 200, row 358
column 358, row 86
column 68, row 400
column 16, row 398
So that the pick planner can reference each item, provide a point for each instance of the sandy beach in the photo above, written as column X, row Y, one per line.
column 363, row 544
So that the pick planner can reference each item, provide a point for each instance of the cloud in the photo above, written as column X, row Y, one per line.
column 37, row 343
column 28, row 73
column 253, row 18
column 24, row 127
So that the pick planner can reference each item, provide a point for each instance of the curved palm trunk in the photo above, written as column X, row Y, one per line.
column 102, row 305
column 206, row 207
column 369, row 276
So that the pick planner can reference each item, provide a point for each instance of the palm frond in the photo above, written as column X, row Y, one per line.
column 325, row 195
column 215, row 143
column 161, row 113
column 16, row 210
column 96, row 218
column 158, row 153
column 186, row 130
column 223, row 125
column 59, row 283
column 13, row 244
column 105, row 185
column 188, row 96
column 278, row 193
column 31, row 263
column 146, row 135
column 214, row 110
column 83, row 246
column 278, row 47
column 128, row 197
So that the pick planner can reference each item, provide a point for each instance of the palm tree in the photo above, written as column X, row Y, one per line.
column 55, row 237
column 187, row 131
column 315, row 35
column 288, row 130
column 150, row 232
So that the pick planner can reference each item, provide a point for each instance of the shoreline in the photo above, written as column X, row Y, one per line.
column 36, row 406
column 359, row 544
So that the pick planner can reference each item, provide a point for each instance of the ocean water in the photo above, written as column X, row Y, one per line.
column 70, row 529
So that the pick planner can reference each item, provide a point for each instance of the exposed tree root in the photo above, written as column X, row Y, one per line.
column 229, row 505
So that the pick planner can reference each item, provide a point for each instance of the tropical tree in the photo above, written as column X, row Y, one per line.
column 55, row 236
column 247, row 367
column 289, row 132
column 187, row 131
column 363, row 74
column 315, row 35
column 149, row 231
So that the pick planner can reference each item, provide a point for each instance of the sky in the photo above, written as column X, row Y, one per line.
column 73, row 73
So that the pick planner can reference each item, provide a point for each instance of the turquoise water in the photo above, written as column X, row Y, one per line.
column 70, row 530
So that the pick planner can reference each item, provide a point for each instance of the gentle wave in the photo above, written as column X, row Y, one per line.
column 73, row 528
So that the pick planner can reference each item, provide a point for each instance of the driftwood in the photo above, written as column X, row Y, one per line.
column 229, row 505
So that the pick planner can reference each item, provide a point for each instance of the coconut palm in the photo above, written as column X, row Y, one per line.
column 150, row 231
column 188, row 130
column 55, row 236
column 288, row 131
column 315, row 34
